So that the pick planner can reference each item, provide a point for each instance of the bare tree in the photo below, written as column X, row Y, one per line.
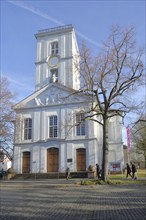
column 139, row 137
column 7, row 117
column 110, row 79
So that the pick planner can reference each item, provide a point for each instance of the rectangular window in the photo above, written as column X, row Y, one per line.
column 111, row 129
column 27, row 129
column 54, row 75
column 54, row 48
column 80, row 128
column 53, row 130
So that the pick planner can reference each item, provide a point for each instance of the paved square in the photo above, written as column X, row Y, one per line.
column 54, row 200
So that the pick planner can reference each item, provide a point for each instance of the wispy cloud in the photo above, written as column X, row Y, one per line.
column 88, row 39
column 50, row 18
column 35, row 11
column 17, row 83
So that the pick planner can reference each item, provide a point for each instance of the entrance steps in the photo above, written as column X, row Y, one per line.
column 27, row 176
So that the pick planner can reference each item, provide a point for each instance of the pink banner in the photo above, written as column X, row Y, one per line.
column 128, row 138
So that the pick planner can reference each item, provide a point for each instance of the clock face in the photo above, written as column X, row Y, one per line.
column 53, row 61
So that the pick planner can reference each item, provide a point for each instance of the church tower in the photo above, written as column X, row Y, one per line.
column 57, row 57
column 50, row 131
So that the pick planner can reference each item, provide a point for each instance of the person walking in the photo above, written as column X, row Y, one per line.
column 133, row 167
column 97, row 171
column 68, row 173
column 128, row 170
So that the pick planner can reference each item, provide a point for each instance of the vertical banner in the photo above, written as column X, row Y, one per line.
column 128, row 138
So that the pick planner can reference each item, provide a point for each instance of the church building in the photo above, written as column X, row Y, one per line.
column 48, row 134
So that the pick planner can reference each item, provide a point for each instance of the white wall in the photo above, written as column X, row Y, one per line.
column 67, row 141
column 67, row 49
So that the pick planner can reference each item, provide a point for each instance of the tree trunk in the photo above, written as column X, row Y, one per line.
column 104, row 175
column 145, row 160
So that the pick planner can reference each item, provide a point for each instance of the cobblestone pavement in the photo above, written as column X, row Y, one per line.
column 43, row 200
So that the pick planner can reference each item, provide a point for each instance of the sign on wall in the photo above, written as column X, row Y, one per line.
column 115, row 167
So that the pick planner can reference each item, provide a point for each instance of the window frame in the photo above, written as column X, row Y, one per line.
column 55, row 50
column 80, row 127
column 55, row 73
column 27, row 129
column 53, row 126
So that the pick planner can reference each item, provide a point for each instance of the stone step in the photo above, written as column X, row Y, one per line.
column 48, row 175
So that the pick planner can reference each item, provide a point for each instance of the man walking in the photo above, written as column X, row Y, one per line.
column 128, row 170
column 97, row 171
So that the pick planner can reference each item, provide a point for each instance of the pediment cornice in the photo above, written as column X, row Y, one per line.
column 52, row 94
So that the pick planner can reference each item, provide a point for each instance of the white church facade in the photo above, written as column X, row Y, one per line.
column 48, row 135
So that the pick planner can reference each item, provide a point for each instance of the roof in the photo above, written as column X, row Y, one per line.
column 54, row 30
column 43, row 89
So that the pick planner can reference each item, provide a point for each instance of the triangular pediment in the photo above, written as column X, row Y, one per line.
column 52, row 94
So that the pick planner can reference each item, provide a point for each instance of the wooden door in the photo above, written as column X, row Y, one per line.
column 81, row 159
column 26, row 162
column 52, row 159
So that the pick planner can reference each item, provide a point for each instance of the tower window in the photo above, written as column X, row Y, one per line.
column 54, row 75
column 80, row 128
column 27, row 129
column 53, row 126
column 54, row 48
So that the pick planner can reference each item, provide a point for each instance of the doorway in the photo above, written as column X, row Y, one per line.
column 26, row 162
column 81, row 159
column 52, row 159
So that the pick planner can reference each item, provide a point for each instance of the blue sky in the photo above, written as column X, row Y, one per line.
column 92, row 20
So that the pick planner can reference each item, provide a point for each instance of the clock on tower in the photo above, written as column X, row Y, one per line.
column 56, row 49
